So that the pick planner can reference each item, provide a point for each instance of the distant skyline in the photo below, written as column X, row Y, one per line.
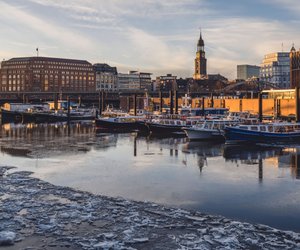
column 150, row 35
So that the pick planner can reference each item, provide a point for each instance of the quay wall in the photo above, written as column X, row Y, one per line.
column 271, row 107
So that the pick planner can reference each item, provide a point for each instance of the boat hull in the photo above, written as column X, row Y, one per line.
column 197, row 134
column 163, row 129
column 235, row 135
column 8, row 116
column 107, row 125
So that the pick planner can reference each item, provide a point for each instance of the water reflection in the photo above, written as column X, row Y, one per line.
column 249, row 154
column 291, row 159
column 46, row 140
column 203, row 150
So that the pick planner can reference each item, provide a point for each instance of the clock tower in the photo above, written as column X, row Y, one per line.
column 200, row 60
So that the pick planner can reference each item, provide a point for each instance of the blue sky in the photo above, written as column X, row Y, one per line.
column 150, row 35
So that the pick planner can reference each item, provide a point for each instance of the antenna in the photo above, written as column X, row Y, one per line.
column 37, row 51
column 281, row 47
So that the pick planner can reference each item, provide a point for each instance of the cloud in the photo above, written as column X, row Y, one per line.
column 51, row 30
column 151, row 35
column 291, row 5
column 62, row 4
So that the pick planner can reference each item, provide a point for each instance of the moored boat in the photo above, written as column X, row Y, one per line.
column 169, row 126
column 209, row 129
column 121, row 124
column 266, row 133
column 8, row 116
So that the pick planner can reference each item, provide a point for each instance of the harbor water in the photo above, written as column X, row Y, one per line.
column 253, row 184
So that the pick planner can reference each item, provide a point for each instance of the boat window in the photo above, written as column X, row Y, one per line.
column 244, row 127
column 254, row 128
column 215, row 126
column 263, row 128
column 279, row 129
column 270, row 129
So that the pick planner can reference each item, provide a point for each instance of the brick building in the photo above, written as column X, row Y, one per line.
column 45, row 74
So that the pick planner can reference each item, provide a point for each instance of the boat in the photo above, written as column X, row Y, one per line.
column 171, row 125
column 209, row 129
column 265, row 133
column 121, row 124
column 8, row 116
column 40, row 113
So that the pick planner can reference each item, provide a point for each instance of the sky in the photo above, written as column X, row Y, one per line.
column 156, row 36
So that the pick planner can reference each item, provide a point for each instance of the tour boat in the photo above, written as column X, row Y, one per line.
column 58, row 116
column 269, row 133
column 169, row 126
column 209, row 129
column 121, row 124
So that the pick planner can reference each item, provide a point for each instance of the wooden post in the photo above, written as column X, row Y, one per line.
column 212, row 100
column 260, row 108
column 134, row 104
column 99, row 104
column 297, row 104
column 69, row 107
column 160, row 101
column 203, row 106
column 102, row 101
column 176, row 102
column 55, row 101
column 241, row 105
column 171, row 103
column 128, row 104
column 278, row 112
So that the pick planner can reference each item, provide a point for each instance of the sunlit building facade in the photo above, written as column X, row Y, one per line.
column 275, row 70
column 46, row 74
column 106, row 77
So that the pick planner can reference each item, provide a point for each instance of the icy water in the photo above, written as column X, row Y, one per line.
column 258, row 185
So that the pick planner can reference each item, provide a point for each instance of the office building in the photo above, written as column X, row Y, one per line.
column 106, row 77
column 246, row 71
column 166, row 83
column 275, row 70
column 134, row 80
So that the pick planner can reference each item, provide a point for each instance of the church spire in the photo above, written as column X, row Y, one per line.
column 200, row 60
column 200, row 44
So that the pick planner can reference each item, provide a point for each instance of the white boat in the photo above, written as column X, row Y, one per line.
column 209, row 129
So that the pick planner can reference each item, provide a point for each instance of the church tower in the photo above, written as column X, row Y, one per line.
column 200, row 60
